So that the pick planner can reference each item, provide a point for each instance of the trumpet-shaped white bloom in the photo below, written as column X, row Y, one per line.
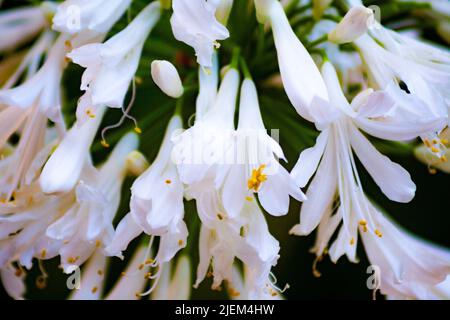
column 257, row 169
column 94, row 16
column 156, row 207
column 403, row 262
column 110, row 66
column 301, row 77
column 224, row 239
column 88, row 223
column 71, row 225
column 166, row 77
column 20, row 25
column 64, row 167
column 332, row 157
column 194, row 23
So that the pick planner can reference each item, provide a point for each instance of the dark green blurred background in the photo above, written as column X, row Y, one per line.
column 427, row 215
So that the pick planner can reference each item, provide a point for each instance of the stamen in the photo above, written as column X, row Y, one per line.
column 316, row 271
column 378, row 233
column 94, row 289
column 257, row 178
column 125, row 115
column 249, row 198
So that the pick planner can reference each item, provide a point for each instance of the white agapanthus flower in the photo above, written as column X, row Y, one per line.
column 194, row 23
column 156, row 208
column 93, row 16
column 64, row 167
column 337, row 178
column 87, row 225
column 415, row 74
column 111, row 66
column 301, row 77
column 223, row 239
column 257, row 169
column 72, row 224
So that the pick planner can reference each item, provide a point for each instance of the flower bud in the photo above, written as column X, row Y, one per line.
column 166, row 78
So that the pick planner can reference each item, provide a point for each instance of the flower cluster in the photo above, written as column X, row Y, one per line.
column 56, row 201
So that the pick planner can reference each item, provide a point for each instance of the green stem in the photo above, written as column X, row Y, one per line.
column 245, row 69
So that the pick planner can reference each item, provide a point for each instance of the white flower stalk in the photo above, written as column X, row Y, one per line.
column 166, row 77
column 42, row 90
column 204, row 150
column 20, row 25
column 176, row 285
column 257, row 169
column 194, row 23
column 111, row 66
column 332, row 158
column 93, row 16
column 355, row 23
column 87, row 225
column 301, row 77
column 64, row 167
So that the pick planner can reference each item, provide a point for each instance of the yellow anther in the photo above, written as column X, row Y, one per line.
column 105, row 144
column 249, row 198
column 94, row 289
column 149, row 261
column 427, row 143
column 138, row 80
column 432, row 170
column 257, row 178
column 444, row 159
column 148, row 275
column 434, row 149
column 138, row 295
column 123, row 274
column 168, row 181
column 98, row 243
column 43, row 253
column 180, row 242
column 137, row 130
column 90, row 113
column 363, row 222
column 100, row 272
column 435, row 141
column 72, row 259
column 378, row 233
column 141, row 266
column 352, row 241
column 444, row 141
column 219, row 216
